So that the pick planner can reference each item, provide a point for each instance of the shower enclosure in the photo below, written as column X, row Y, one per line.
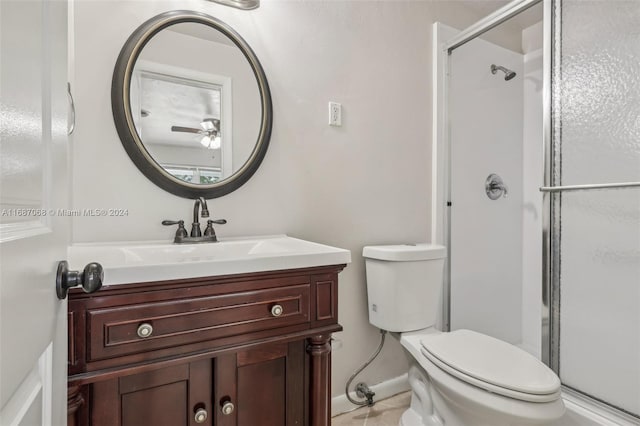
column 548, row 256
column 595, row 232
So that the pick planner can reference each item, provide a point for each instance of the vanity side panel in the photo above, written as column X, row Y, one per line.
column 324, row 297
column 77, row 339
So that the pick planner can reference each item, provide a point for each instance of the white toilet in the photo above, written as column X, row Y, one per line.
column 459, row 378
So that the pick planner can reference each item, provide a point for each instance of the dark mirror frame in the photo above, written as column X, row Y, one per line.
column 121, row 106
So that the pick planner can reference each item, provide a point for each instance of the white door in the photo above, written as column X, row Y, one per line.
column 33, row 186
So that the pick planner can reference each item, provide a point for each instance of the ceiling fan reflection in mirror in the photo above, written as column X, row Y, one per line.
column 209, row 132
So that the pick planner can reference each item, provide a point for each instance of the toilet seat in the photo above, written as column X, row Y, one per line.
column 491, row 364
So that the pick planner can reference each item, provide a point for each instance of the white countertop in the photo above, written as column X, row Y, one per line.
column 142, row 261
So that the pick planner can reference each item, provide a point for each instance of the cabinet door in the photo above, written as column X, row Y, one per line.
column 170, row 396
column 266, row 386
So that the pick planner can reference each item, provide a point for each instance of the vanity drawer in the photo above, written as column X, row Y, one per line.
column 184, row 321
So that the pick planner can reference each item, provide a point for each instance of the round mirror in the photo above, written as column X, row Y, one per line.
column 191, row 104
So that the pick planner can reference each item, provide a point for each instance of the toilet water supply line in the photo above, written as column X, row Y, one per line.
column 362, row 390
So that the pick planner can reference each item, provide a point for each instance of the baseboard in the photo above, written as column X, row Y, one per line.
column 340, row 404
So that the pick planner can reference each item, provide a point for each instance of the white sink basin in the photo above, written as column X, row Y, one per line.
column 158, row 260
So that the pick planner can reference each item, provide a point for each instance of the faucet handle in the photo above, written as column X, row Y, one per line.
column 181, row 232
column 210, row 232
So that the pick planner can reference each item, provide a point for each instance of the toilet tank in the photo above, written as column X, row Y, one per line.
column 404, row 283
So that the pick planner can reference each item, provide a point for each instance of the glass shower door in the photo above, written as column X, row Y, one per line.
column 596, row 90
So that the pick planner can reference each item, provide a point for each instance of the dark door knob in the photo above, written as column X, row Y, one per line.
column 90, row 279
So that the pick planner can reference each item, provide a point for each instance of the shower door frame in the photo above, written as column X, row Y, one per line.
column 441, row 188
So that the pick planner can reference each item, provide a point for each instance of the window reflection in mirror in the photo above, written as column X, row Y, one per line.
column 197, row 109
column 194, row 174
column 180, row 119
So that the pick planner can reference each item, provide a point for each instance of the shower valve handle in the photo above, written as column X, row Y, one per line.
column 503, row 188
column 495, row 187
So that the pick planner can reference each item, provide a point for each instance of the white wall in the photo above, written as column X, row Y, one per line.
column 486, row 235
column 367, row 182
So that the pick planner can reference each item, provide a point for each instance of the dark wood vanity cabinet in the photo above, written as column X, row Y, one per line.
column 247, row 350
column 169, row 396
column 270, row 382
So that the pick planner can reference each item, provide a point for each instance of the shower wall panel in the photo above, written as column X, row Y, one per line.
column 486, row 119
column 532, row 180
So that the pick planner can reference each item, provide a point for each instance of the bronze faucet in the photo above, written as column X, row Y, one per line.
column 195, row 226
column 199, row 208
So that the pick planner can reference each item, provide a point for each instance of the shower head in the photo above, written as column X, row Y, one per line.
column 508, row 74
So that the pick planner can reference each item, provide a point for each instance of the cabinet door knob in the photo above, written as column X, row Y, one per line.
column 145, row 330
column 277, row 310
column 201, row 416
column 227, row 408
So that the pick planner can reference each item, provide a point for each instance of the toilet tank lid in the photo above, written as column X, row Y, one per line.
column 405, row 252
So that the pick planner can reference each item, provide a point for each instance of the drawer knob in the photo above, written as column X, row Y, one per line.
column 145, row 330
column 201, row 416
column 227, row 408
column 277, row 310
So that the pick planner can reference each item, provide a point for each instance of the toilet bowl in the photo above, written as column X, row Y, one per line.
column 458, row 378
column 463, row 395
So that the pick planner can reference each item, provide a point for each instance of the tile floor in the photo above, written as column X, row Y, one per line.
column 388, row 411
column 384, row 413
